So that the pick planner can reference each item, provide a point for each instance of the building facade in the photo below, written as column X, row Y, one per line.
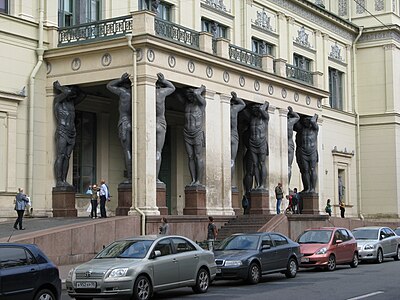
column 336, row 59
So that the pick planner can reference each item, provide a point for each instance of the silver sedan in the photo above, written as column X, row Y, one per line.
column 376, row 243
column 137, row 267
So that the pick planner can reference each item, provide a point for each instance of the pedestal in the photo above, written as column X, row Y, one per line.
column 310, row 203
column 236, row 203
column 259, row 202
column 161, row 198
column 195, row 200
column 124, row 199
column 63, row 199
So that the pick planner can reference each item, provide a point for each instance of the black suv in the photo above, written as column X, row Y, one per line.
column 26, row 273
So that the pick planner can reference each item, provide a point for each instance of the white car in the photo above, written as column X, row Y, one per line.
column 137, row 267
column 376, row 243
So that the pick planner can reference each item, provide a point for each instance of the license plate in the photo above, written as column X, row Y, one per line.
column 305, row 259
column 218, row 270
column 85, row 284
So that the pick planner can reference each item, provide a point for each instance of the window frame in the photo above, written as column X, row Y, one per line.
column 221, row 30
column 336, row 89
column 256, row 46
column 4, row 9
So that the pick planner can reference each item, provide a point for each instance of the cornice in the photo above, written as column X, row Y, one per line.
column 380, row 34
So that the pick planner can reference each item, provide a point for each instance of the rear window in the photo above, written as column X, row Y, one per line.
column 11, row 257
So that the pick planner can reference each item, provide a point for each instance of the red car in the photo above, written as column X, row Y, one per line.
column 327, row 247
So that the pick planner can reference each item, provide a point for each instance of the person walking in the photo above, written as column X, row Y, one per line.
column 279, row 197
column 164, row 228
column 21, row 201
column 328, row 207
column 212, row 233
column 342, row 208
column 296, row 201
column 94, row 198
column 104, row 196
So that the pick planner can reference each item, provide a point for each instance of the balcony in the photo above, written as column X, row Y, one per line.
column 176, row 33
column 246, row 57
column 299, row 74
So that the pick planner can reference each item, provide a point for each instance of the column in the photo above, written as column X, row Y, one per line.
column 290, row 47
column 282, row 51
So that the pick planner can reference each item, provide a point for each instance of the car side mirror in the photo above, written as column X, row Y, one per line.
column 155, row 253
column 339, row 241
column 265, row 247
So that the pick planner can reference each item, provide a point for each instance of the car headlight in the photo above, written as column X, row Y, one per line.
column 322, row 251
column 70, row 274
column 368, row 247
column 233, row 263
column 120, row 272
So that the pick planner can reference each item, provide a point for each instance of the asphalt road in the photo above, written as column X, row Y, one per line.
column 367, row 281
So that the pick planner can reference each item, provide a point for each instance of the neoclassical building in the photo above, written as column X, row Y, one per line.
column 338, row 59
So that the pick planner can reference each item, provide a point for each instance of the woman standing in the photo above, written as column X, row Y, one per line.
column 94, row 201
column 20, row 203
column 328, row 207
column 164, row 228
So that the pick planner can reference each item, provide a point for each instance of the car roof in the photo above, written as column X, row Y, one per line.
column 256, row 233
column 150, row 237
column 324, row 228
column 370, row 227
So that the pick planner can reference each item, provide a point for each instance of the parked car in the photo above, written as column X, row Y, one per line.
column 327, row 247
column 397, row 231
column 27, row 273
column 137, row 267
column 248, row 256
column 376, row 243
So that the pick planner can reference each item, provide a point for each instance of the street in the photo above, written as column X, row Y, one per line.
column 368, row 281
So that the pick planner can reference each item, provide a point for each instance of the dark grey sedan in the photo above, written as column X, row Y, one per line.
column 248, row 256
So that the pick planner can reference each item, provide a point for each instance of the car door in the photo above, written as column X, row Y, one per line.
column 19, row 273
column 339, row 248
column 268, row 255
column 166, row 268
column 391, row 239
column 188, row 259
column 384, row 241
column 282, row 250
column 348, row 245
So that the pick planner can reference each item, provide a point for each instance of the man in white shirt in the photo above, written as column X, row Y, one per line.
column 104, row 196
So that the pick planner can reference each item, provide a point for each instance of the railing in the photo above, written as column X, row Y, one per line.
column 297, row 73
column 104, row 29
column 176, row 33
column 244, row 56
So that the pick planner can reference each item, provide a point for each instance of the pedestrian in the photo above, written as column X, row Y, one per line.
column 21, row 201
column 279, row 197
column 164, row 228
column 342, row 208
column 212, row 233
column 104, row 196
column 328, row 207
column 245, row 205
column 94, row 198
column 296, row 201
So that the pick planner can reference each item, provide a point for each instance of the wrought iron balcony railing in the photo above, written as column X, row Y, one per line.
column 176, row 33
column 87, row 32
column 244, row 56
column 297, row 73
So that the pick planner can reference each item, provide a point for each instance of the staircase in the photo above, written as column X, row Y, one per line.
column 243, row 223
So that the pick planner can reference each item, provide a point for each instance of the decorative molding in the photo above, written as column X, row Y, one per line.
column 296, row 97
column 284, row 93
column 106, row 59
column 379, row 5
column 209, row 72
column 76, row 64
column 380, row 35
column 302, row 37
column 256, row 85
column 342, row 8
column 13, row 96
column 360, row 7
column 171, row 61
column 263, row 21
column 343, row 153
column 242, row 81
column 226, row 76
column 270, row 89
column 335, row 52
column 191, row 66
column 48, row 68
column 150, row 55
column 225, row 13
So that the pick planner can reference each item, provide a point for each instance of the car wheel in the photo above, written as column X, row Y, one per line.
column 202, row 282
column 331, row 263
column 142, row 289
column 397, row 256
column 254, row 274
column 291, row 268
column 379, row 256
column 354, row 262
column 45, row 294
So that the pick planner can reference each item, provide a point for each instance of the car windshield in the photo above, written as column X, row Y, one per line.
column 240, row 242
column 126, row 249
column 397, row 231
column 366, row 234
column 315, row 237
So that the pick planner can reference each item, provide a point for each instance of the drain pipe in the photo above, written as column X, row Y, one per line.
column 358, row 140
column 134, row 136
column 39, row 53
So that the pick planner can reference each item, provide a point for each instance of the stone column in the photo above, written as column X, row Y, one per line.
column 283, row 34
column 146, row 146
column 290, row 47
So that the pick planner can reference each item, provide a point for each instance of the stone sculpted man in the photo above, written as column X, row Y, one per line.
column 258, row 142
column 164, row 88
column 237, row 105
column 292, row 119
column 122, row 88
column 64, row 109
column 307, row 151
column 193, row 133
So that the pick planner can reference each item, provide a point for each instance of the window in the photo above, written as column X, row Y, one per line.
column 279, row 240
column 261, row 47
column 163, row 9
column 216, row 29
column 4, row 6
column 164, row 247
column 336, row 89
column 266, row 241
column 74, row 12
column 84, row 165
column 182, row 245
column 11, row 257
column 302, row 62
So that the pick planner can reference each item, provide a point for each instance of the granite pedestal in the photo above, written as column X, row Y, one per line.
column 124, row 199
column 195, row 200
column 63, row 202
